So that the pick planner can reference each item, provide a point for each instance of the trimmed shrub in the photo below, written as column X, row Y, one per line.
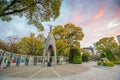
column 75, row 56
column 77, row 60
column 110, row 64
column 99, row 63
column 116, row 62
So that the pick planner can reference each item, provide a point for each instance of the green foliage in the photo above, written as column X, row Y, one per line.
column 75, row 56
column 99, row 63
column 85, row 56
column 107, row 46
column 110, row 56
column 116, row 52
column 67, row 36
column 116, row 62
column 102, row 55
column 110, row 64
column 77, row 60
column 117, row 58
column 4, row 46
column 35, row 11
column 62, row 49
column 31, row 45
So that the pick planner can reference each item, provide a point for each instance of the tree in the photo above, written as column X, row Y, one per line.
column 4, row 46
column 85, row 56
column 32, row 45
column 12, row 41
column 61, row 47
column 67, row 35
column 34, row 10
column 107, row 45
column 116, row 51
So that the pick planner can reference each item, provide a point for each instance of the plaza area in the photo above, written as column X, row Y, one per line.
column 84, row 71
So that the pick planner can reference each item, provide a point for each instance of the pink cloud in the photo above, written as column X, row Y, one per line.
column 76, row 18
column 100, row 13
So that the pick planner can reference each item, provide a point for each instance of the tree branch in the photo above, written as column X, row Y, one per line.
column 12, row 3
column 13, row 12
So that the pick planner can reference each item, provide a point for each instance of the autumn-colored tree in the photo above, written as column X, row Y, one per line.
column 32, row 45
column 4, row 46
column 13, row 43
column 34, row 10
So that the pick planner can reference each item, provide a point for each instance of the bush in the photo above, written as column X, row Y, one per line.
column 116, row 62
column 110, row 64
column 85, row 56
column 75, row 56
column 99, row 63
column 77, row 60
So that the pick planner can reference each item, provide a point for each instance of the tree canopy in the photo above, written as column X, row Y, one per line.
column 66, row 36
column 69, row 33
column 106, row 43
column 31, row 45
column 107, row 46
column 13, row 43
column 35, row 11
column 4, row 46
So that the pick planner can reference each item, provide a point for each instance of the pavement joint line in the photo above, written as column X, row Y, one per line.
column 70, row 70
column 20, row 72
column 36, row 73
column 58, row 75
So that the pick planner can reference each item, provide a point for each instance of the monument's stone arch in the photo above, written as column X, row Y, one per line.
column 48, row 47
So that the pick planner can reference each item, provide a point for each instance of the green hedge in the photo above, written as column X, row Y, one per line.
column 75, row 56
column 77, row 60
column 116, row 62
column 110, row 64
column 99, row 63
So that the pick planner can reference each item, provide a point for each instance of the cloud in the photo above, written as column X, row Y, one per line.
column 111, row 25
column 98, row 18
column 100, row 13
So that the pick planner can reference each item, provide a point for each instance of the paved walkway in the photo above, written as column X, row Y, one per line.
column 85, row 71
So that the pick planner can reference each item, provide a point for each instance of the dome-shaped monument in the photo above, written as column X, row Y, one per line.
column 49, row 46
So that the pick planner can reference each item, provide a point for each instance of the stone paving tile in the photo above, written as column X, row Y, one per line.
column 25, row 74
column 47, row 73
column 63, row 72
column 93, row 73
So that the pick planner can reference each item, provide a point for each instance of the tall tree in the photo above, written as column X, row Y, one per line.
column 31, row 45
column 67, row 35
column 69, row 32
column 12, row 41
column 34, row 10
column 4, row 46
column 107, row 45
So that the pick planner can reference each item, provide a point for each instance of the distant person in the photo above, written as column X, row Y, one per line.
column 35, row 60
column 27, row 60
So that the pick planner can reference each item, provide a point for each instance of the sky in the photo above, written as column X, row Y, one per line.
column 97, row 18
